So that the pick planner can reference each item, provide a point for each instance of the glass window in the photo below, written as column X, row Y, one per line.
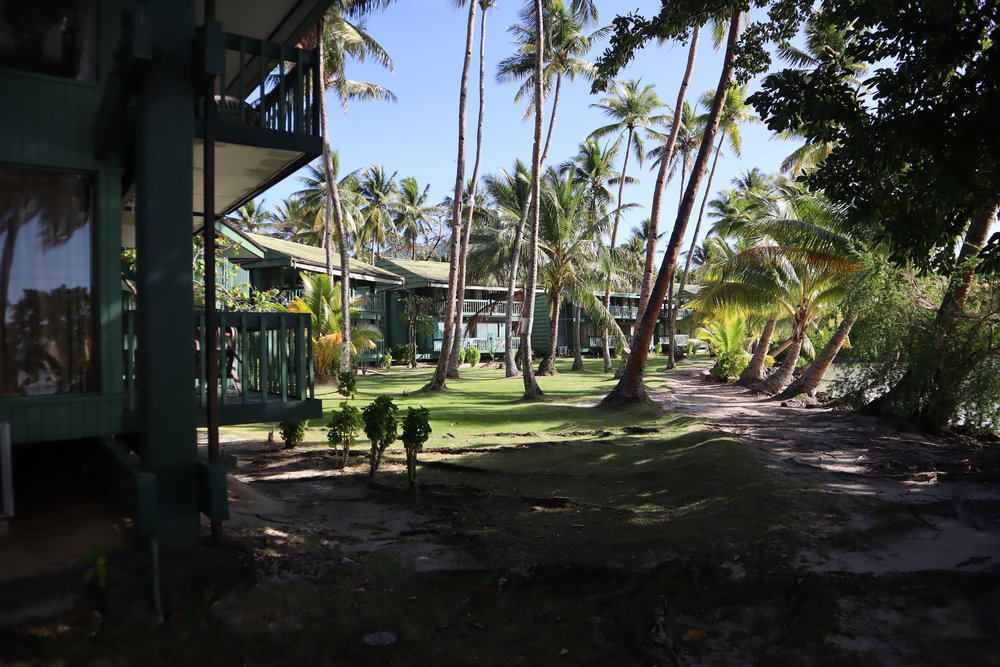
column 46, row 283
column 57, row 37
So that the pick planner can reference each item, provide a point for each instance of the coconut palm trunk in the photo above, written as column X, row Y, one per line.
column 578, row 340
column 456, row 346
column 548, row 365
column 334, row 216
column 754, row 372
column 671, row 300
column 606, row 336
column 531, row 388
column 661, row 181
column 782, row 376
column 510, row 366
column 437, row 381
column 630, row 388
column 814, row 372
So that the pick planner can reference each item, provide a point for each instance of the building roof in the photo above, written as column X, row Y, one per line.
column 311, row 258
column 418, row 273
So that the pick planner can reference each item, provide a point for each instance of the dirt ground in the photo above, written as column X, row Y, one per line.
column 903, row 570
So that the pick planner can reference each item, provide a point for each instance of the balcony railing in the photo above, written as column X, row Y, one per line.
column 268, row 85
column 487, row 307
column 624, row 312
column 368, row 302
column 488, row 345
column 264, row 358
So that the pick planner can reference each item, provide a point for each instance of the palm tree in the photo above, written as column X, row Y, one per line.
column 453, row 360
column 629, row 388
column 321, row 300
column 313, row 198
column 413, row 216
column 560, row 31
column 380, row 194
column 290, row 218
column 337, row 40
column 569, row 244
column 252, row 216
column 633, row 109
column 437, row 381
column 800, row 269
column 666, row 163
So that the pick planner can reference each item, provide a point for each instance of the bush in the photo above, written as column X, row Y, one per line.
column 401, row 352
column 768, row 361
column 387, row 360
column 472, row 355
column 293, row 432
column 380, row 426
column 619, row 348
column 729, row 365
column 347, row 384
column 344, row 425
column 416, row 430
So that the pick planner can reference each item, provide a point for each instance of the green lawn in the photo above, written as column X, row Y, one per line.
column 484, row 403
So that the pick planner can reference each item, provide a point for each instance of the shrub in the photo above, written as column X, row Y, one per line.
column 293, row 432
column 400, row 352
column 472, row 355
column 729, row 365
column 386, row 360
column 619, row 348
column 347, row 384
column 344, row 425
column 380, row 426
column 768, row 361
column 416, row 430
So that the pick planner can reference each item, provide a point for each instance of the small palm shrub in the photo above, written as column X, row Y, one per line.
column 472, row 355
column 380, row 426
column 729, row 365
column 344, row 425
column 416, row 430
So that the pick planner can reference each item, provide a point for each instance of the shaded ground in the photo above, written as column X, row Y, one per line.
column 763, row 535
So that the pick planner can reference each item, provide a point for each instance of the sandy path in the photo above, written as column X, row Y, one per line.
column 944, row 492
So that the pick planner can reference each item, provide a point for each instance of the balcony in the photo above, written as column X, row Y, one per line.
column 267, row 121
column 265, row 368
column 482, row 307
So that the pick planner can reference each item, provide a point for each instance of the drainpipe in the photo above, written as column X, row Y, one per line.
column 211, row 316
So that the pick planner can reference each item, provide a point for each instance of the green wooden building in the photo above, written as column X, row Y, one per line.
column 129, row 124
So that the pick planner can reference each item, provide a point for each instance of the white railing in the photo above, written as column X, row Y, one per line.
column 488, row 307
column 625, row 312
column 488, row 345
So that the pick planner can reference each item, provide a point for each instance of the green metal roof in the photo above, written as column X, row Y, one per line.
column 421, row 272
column 314, row 259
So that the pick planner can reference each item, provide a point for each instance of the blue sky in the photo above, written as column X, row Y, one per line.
column 418, row 135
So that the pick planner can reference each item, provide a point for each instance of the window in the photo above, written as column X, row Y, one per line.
column 46, row 283
column 57, row 37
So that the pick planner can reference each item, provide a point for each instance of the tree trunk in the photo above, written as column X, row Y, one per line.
column 927, row 392
column 671, row 302
column 606, row 339
column 510, row 361
column 781, row 348
column 413, row 347
column 460, row 294
column 437, row 381
column 661, row 182
column 531, row 388
column 782, row 376
column 754, row 372
column 335, row 216
column 578, row 347
column 548, row 365
column 814, row 372
column 630, row 389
